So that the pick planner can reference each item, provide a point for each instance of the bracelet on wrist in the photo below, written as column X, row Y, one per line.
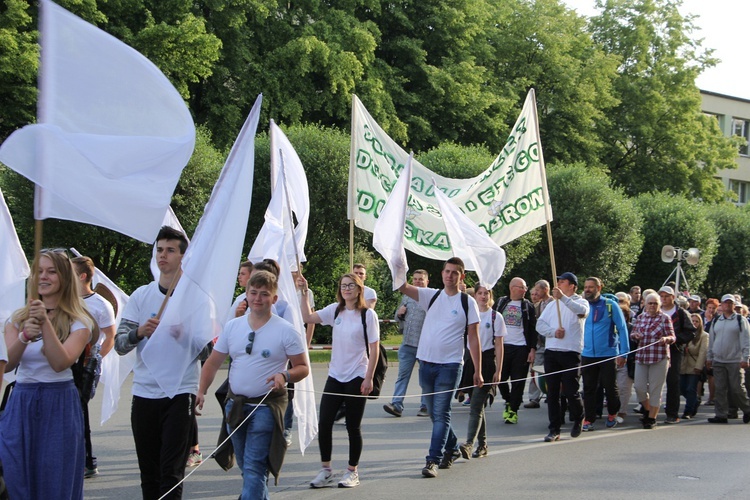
column 286, row 375
column 22, row 338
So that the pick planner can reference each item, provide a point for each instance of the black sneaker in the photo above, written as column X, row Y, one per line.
column 649, row 423
column 718, row 420
column 480, row 452
column 746, row 418
column 465, row 450
column 430, row 469
column 551, row 437
column 392, row 409
column 448, row 458
column 577, row 427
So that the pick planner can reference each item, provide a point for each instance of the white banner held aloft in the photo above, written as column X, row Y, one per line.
column 195, row 312
column 506, row 200
column 388, row 236
column 113, row 134
column 14, row 268
column 471, row 244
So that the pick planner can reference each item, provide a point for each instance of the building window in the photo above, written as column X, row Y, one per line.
column 741, row 128
column 741, row 189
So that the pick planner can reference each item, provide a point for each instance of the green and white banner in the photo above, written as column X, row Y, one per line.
column 507, row 200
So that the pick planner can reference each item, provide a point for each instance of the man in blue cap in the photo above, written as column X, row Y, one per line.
column 562, row 325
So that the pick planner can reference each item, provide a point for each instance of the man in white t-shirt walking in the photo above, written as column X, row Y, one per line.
column 452, row 317
column 260, row 345
column 371, row 297
column 104, row 315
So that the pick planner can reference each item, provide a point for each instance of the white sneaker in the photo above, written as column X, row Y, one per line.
column 350, row 479
column 323, row 479
column 288, row 437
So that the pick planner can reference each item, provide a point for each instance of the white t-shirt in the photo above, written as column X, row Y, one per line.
column 348, row 355
column 3, row 348
column 370, row 294
column 486, row 332
column 273, row 344
column 142, row 306
column 101, row 310
column 513, row 316
column 34, row 366
column 442, row 339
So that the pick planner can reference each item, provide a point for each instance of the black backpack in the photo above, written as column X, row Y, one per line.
column 381, row 367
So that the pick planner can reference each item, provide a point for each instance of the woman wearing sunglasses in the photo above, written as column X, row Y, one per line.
column 43, row 421
column 349, row 374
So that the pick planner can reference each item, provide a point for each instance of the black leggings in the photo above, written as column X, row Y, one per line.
column 355, row 410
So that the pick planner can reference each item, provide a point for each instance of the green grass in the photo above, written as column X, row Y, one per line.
column 319, row 356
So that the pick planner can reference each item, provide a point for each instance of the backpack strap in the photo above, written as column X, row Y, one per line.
column 504, row 301
column 433, row 299
column 364, row 329
column 465, row 305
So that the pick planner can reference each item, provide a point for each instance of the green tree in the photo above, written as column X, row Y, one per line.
column 543, row 44
column 730, row 269
column 657, row 138
column 596, row 229
column 19, row 59
column 677, row 221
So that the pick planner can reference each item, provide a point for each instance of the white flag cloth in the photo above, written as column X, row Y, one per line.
column 110, row 125
column 507, row 200
column 115, row 368
column 171, row 220
column 277, row 246
column 388, row 236
column 195, row 312
column 471, row 243
column 295, row 194
column 14, row 268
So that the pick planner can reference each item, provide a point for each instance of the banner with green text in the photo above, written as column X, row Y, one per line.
column 507, row 200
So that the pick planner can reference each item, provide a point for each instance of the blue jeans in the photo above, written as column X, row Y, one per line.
column 689, row 389
column 251, row 446
column 442, row 378
column 407, row 356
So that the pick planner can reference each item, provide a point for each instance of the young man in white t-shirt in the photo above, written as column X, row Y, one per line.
column 440, row 354
column 161, row 425
column 104, row 314
column 261, row 345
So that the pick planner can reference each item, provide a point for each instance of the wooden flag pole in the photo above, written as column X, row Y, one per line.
column 172, row 285
column 38, row 229
column 547, row 205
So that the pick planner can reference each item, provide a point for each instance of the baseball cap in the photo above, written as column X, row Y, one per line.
column 569, row 277
column 667, row 290
column 727, row 296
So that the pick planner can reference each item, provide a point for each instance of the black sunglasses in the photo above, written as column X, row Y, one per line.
column 250, row 341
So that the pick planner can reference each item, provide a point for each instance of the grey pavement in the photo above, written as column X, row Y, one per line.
column 691, row 459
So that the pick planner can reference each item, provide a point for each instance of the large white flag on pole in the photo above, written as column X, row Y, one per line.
column 14, row 268
column 472, row 244
column 110, row 125
column 115, row 369
column 296, row 193
column 506, row 200
column 388, row 236
column 196, row 310
column 278, row 245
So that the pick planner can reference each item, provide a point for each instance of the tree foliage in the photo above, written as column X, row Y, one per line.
column 730, row 269
column 680, row 222
column 596, row 229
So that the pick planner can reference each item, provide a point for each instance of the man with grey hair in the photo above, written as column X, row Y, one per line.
column 540, row 297
column 728, row 355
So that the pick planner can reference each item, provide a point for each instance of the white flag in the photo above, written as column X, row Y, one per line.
column 470, row 243
column 195, row 312
column 115, row 369
column 388, row 236
column 14, row 268
column 294, row 193
column 170, row 220
column 278, row 245
column 110, row 125
column 507, row 200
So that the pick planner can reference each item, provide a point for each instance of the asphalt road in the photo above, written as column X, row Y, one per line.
column 689, row 460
